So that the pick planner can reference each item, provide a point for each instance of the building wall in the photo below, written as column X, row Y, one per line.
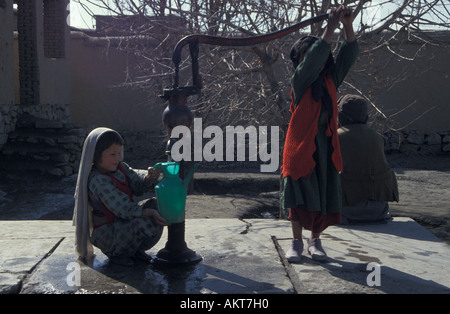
column 6, row 69
column 416, row 95
column 42, row 57
column 417, row 101
column 54, row 53
column 98, row 99
column 92, row 94
column 34, row 79
column 6, row 54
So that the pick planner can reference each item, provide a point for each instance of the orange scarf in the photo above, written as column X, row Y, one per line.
column 299, row 146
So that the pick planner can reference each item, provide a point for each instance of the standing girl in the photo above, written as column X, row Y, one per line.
column 311, row 190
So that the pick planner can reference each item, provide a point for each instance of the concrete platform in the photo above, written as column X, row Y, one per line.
column 240, row 257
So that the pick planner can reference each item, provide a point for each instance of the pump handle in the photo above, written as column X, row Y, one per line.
column 241, row 41
column 196, row 39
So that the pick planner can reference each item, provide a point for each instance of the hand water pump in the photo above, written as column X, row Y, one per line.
column 178, row 113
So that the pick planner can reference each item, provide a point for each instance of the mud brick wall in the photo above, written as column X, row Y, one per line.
column 28, row 55
column 54, row 19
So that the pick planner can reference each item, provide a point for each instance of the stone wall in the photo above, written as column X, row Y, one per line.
column 10, row 113
column 43, row 146
column 418, row 141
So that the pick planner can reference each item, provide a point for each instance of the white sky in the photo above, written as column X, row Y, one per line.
column 81, row 19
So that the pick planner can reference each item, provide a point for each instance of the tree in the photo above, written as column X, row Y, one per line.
column 250, row 85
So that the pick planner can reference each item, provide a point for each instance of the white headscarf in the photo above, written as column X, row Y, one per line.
column 82, row 214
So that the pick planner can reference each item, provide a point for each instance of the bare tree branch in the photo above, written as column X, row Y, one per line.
column 252, row 83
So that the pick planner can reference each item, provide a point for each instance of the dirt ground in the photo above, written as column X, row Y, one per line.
column 242, row 192
column 424, row 188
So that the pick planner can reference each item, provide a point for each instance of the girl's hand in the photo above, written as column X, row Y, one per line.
column 346, row 19
column 347, row 16
column 333, row 23
column 334, row 18
column 153, row 174
column 154, row 214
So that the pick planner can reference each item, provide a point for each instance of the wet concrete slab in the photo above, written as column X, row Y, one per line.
column 397, row 257
column 23, row 246
column 239, row 257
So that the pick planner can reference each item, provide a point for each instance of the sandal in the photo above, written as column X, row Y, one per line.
column 294, row 254
column 316, row 250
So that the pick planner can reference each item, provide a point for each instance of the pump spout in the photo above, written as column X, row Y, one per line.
column 189, row 176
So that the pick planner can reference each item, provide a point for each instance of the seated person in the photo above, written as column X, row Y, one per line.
column 367, row 180
column 105, row 214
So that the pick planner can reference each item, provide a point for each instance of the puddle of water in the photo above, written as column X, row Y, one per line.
column 153, row 278
column 362, row 256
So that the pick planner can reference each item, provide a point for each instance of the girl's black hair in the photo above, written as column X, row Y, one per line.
column 319, row 92
column 106, row 140
column 300, row 48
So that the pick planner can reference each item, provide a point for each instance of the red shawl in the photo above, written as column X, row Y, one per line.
column 299, row 146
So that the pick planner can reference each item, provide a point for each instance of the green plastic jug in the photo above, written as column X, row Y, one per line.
column 171, row 192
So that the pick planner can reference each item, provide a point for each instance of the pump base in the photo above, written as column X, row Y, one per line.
column 175, row 258
column 176, row 250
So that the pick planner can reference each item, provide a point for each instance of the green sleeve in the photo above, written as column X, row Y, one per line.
column 346, row 57
column 309, row 69
column 316, row 57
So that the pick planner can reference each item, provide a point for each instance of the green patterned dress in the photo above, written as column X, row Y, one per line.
column 130, row 231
